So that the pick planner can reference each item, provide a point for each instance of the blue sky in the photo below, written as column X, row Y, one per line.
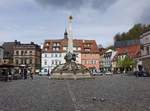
column 37, row 20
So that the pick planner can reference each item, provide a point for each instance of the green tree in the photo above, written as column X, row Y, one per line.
column 133, row 33
column 127, row 63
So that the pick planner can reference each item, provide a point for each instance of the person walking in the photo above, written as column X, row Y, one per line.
column 31, row 75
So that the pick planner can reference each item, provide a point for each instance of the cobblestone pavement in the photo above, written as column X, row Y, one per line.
column 106, row 93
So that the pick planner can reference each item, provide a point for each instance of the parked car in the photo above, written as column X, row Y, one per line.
column 97, row 74
column 141, row 74
column 108, row 73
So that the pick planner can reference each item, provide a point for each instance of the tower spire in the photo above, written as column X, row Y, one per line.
column 66, row 34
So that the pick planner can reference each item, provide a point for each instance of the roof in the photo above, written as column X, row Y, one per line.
column 83, row 44
column 132, row 51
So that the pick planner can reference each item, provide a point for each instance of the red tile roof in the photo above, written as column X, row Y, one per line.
column 132, row 51
column 83, row 44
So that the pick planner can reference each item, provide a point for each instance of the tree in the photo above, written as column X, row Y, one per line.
column 133, row 33
column 127, row 63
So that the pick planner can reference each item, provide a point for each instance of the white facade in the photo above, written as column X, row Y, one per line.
column 107, row 59
column 51, row 60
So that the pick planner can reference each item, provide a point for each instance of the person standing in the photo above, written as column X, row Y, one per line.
column 25, row 74
column 31, row 75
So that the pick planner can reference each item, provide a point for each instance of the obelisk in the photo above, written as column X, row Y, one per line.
column 70, row 69
column 70, row 35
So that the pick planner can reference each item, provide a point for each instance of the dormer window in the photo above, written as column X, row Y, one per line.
column 47, row 44
column 45, row 49
column 64, row 48
column 79, row 48
column 87, row 49
column 56, row 44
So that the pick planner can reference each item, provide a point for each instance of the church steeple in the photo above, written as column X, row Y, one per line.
column 66, row 34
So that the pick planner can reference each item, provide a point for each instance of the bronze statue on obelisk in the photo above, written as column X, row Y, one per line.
column 70, row 56
column 70, row 69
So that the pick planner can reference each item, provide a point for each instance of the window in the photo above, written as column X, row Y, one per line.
column 25, row 61
column 60, row 55
column 45, row 62
column 52, row 61
column 87, row 49
column 21, row 61
column 25, row 52
column 54, row 49
column 86, row 62
column 45, row 49
column 45, row 70
column 30, row 61
column 147, row 50
column 17, row 61
column 21, row 52
column 55, row 55
column 64, row 48
column 56, row 62
column 83, row 61
column 47, row 44
column 74, row 48
column 79, row 48
column 17, row 52
column 58, row 44
column 54, row 44
column 57, row 49
column 45, row 55
column 93, row 61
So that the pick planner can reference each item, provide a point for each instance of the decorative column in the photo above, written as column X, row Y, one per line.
column 70, row 35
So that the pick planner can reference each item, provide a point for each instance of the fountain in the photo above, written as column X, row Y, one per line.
column 70, row 69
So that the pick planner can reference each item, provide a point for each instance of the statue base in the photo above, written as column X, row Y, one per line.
column 70, row 76
column 70, row 70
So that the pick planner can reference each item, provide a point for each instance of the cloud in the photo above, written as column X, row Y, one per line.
column 77, row 4
column 145, row 15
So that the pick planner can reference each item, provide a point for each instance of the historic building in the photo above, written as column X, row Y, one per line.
column 145, row 51
column 27, row 56
column 130, row 47
column 106, row 60
column 53, row 53
column 90, row 54
column 9, row 51
column 1, row 54
column 101, row 55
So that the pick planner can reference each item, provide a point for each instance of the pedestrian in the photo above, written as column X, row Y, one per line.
column 31, row 75
column 9, row 75
column 5, row 74
column 25, row 74
column 49, row 75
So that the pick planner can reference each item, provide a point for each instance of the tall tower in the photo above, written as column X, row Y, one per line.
column 70, row 35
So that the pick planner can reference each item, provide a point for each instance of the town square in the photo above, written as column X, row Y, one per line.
column 74, row 55
column 106, row 93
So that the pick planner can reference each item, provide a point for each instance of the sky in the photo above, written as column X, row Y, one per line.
column 39, row 20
